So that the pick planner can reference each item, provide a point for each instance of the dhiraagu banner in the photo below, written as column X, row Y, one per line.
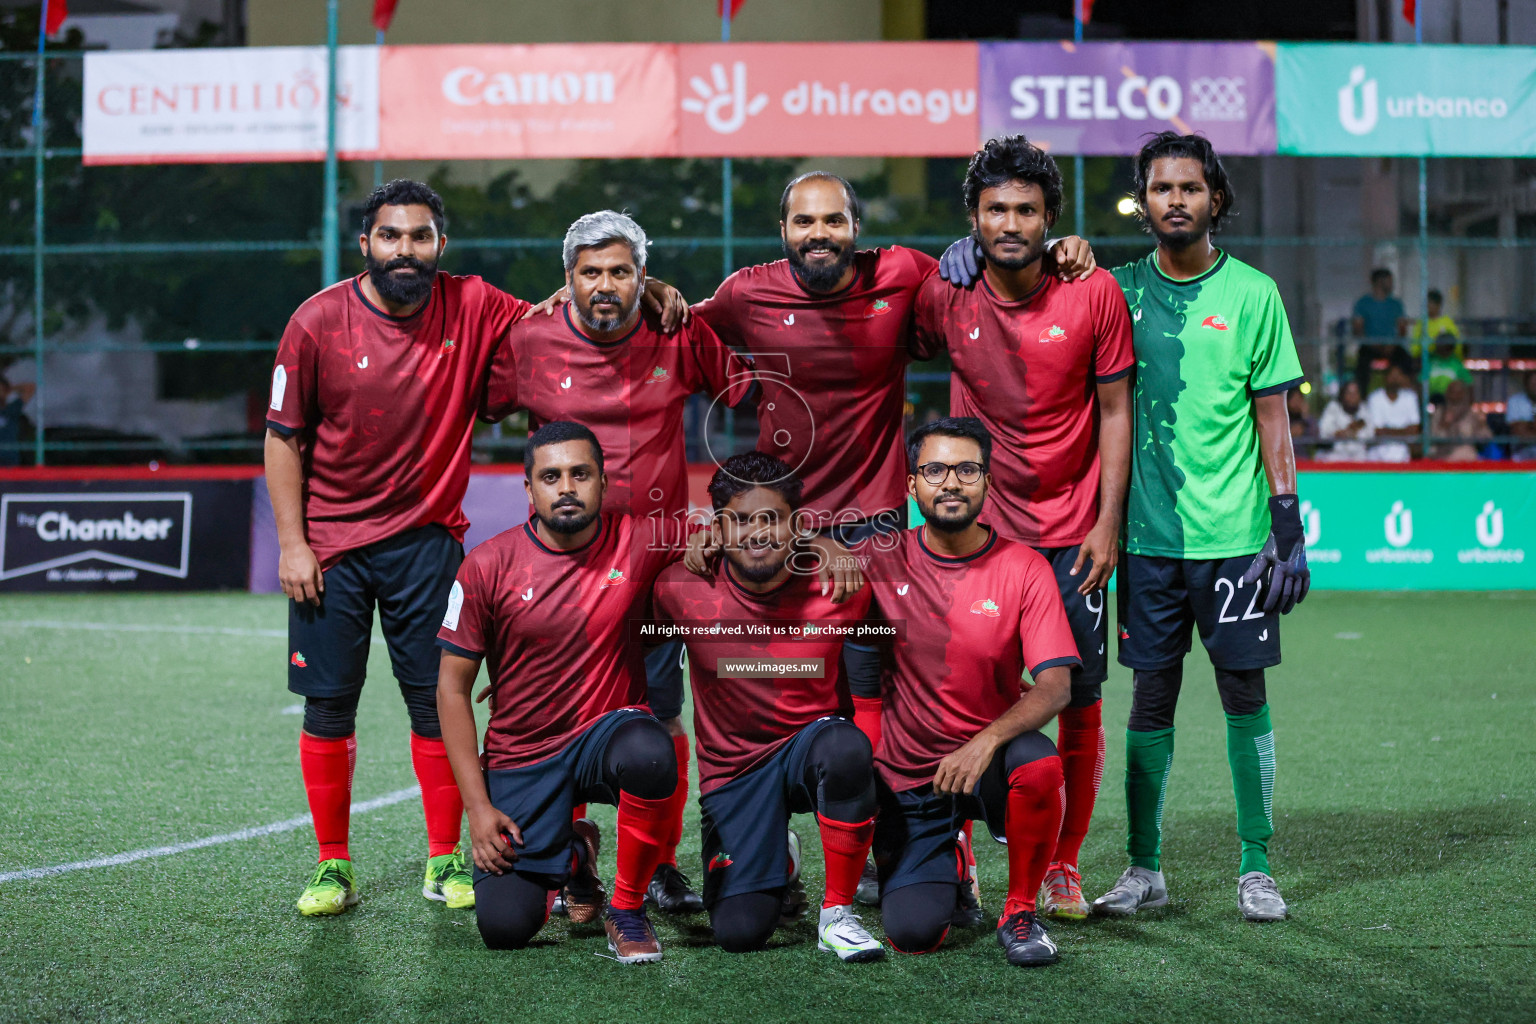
column 1415, row 530
column 1405, row 100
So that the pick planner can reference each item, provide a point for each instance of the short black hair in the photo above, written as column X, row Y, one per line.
column 1013, row 158
column 854, row 206
column 558, row 432
column 1433, row 295
column 740, row 473
column 1379, row 273
column 968, row 427
column 1164, row 145
column 403, row 192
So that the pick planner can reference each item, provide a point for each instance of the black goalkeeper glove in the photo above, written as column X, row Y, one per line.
column 1284, row 557
column 962, row 262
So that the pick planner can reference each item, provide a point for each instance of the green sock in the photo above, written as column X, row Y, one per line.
column 1251, row 753
column 1148, row 760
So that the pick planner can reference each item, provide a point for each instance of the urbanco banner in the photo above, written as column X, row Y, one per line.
column 227, row 105
column 505, row 102
column 1400, row 100
column 1105, row 98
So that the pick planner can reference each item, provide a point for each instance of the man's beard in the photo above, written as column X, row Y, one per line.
column 1192, row 231
column 819, row 277
column 1032, row 253
column 567, row 525
column 604, row 324
column 401, row 289
column 757, row 573
column 956, row 524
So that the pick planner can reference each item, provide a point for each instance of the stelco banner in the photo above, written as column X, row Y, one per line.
column 1385, row 100
column 1420, row 531
column 125, row 535
column 1103, row 98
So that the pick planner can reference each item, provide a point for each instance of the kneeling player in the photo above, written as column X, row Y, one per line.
column 549, row 605
column 771, row 744
column 958, row 739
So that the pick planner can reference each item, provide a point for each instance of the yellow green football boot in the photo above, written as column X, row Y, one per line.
column 332, row 889
column 449, row 881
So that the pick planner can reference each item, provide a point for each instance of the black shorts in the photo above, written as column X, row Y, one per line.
column 408, row 576
column 1160, row 599
column 539, row 797
column 745, row 821
column 1087, row 615
column 664, row 679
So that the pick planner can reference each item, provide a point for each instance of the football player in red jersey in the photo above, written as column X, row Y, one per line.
column 549, row 606
column 960, row 734
column 1045, row 364
column 374, row 394
column 771, row 744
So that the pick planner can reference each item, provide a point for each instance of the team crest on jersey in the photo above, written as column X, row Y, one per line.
column 449, row 344
column 986, row 606
column 1053, row 333
column 615, row 577
column 877, row 308
column 657, row 375
column 297, row 661
column 1215, row 322
column 719, row 860
column 1124, row 634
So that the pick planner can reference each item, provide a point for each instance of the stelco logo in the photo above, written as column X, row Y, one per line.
column 726, row 102
column 1360, row 109
column 47, row 532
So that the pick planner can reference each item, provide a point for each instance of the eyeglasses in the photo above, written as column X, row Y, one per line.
column 937, row 472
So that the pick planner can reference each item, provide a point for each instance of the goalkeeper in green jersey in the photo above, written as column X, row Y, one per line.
column 1213, row 533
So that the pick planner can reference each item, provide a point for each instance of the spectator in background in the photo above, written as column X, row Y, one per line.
column 1455, row 418
column 12, row 399
column 1378, row 319
column 1347, row 423
column 1441, row 326
column 1446, row 353
column 1394, row 411
column 1301, row 424
column 1520, row 413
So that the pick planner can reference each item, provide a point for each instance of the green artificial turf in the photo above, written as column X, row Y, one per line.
column 1404, row 843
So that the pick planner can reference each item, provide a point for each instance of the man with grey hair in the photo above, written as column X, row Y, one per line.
column 604, row 360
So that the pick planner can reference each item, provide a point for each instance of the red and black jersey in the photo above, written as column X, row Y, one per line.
column 554, row 629
column 1029, row 370
column 630, row 392
column 384, row 407
column 973, row 625
column 832, row 369
column 740, row 722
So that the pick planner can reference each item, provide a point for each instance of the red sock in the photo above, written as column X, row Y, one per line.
column 678, row 803
column 327, row 765
column 845, row 848
column 643, row 828
column 1080, row 741
column 1034, row 821
column 866, row 715
column 970, row 849
column 578, row 812
column 439, row 794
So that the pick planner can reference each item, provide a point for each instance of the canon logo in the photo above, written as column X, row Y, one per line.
column 56, row 526
column 470, row 86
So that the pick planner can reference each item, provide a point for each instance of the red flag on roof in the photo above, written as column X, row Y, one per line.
column 735, row 6
column 1410, row 11
column 1085, row 10
column 383, row 13
column 58, row 10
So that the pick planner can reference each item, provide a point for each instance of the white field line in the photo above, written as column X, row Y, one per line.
column 135, row 627
column 287, row 825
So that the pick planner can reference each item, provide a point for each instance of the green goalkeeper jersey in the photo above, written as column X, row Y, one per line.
column 1205, row 348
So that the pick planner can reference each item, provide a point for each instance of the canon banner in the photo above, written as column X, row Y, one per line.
column 246, row 104
column 827, row 99
column 1103, row 98
column 588, row 100
column 125, row 535
column 1407, row 100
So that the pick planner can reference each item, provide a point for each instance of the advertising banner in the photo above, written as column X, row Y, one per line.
column 125, row 535
column 234, row 105
column 827, row 99
column 1394, row 100
column 584, row 100
column 1103, row 98
column 1420, row 531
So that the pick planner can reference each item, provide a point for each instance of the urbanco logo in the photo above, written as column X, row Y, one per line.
column 1490, row 525
column 1398, row 525
column 1363, row 121
column 1312, row 536
column 1489, row 529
